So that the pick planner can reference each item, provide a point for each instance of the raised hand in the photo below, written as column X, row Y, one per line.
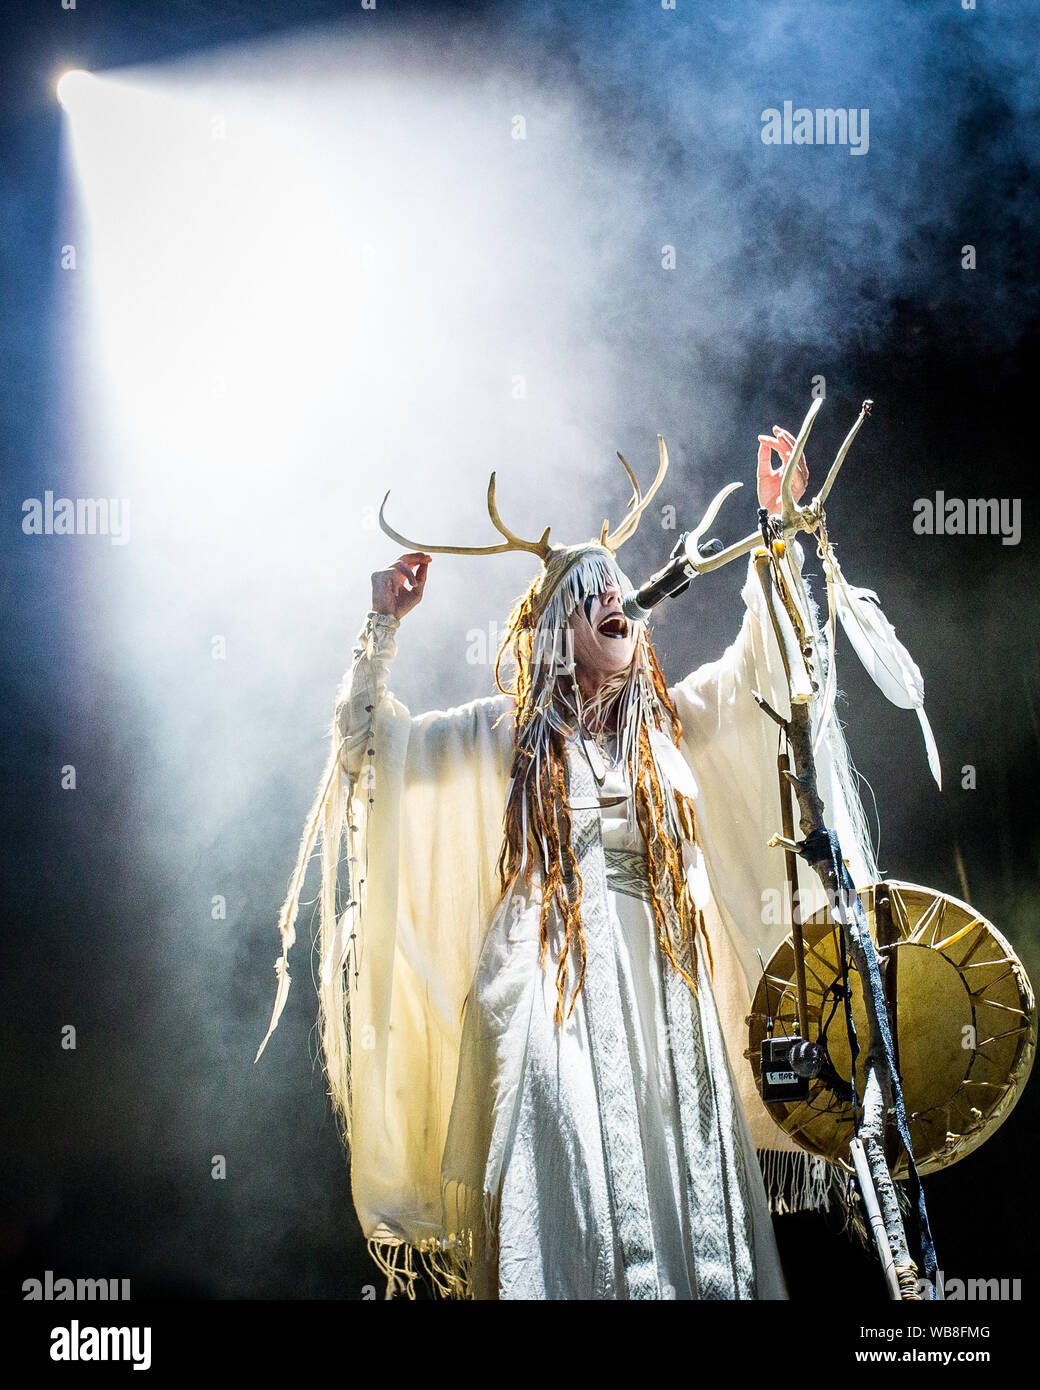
column 398, row 589
column 769, row 477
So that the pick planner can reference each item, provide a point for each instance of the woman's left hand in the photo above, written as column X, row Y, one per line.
column 769, row 477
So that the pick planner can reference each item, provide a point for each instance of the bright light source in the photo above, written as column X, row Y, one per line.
column 286, row 296
column 72, row 85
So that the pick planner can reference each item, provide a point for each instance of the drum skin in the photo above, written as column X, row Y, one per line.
column 965, row 1026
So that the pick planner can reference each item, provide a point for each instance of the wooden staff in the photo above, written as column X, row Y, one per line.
column 877, row 1183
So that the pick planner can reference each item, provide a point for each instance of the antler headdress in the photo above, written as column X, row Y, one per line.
column 542, row 547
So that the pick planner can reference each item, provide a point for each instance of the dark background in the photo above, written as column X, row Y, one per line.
column 107, row 1149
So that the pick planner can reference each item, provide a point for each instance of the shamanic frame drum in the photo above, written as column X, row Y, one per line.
column 964, row 1015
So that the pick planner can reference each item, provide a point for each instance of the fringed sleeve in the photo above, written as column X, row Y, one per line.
column 360, row 692
column 732, row 746
column 407, row 822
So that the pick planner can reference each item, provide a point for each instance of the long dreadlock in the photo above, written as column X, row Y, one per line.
column 537, row 831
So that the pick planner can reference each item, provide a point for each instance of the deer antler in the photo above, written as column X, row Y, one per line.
column 540, row 547
column 614, row 539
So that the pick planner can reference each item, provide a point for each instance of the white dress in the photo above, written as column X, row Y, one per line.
column 619, row 1163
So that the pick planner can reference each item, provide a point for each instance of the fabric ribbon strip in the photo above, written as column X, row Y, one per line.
column 715, row 1172
column 619, row 1117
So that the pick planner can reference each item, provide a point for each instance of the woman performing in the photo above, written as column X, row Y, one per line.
column 533, row 1022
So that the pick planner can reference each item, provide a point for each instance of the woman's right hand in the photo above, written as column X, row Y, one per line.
column 398, row 589
column 782, row 443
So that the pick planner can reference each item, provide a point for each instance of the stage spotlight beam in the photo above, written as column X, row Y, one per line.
column 72, row 85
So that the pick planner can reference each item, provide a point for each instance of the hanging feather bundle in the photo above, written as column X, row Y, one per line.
column 885, row 659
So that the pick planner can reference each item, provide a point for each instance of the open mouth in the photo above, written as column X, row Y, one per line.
column 616, row 625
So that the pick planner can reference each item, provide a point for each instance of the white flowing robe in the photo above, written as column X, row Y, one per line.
column 612, row 1157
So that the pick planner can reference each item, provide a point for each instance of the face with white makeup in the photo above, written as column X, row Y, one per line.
column 604, row 639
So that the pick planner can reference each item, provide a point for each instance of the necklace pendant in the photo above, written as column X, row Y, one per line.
column 599, row 767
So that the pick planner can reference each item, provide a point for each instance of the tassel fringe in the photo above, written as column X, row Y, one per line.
column 795, row 1181
column 447, row 1271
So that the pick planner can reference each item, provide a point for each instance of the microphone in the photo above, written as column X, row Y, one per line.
column 673, row 579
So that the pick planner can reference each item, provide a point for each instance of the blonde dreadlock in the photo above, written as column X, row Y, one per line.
column 537, row 831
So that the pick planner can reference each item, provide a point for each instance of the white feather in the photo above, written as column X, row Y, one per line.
column 281, row 967
column 887, row 662
column 697, row 876
column 673, row 765
column 929, row 743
